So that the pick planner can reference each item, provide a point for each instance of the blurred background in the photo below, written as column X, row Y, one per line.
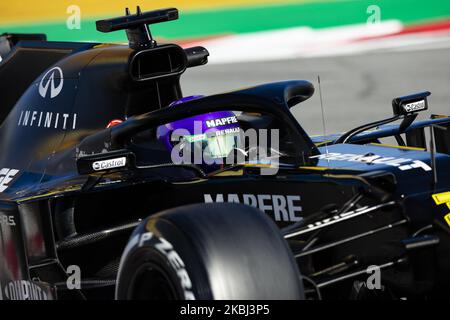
column 366, row 52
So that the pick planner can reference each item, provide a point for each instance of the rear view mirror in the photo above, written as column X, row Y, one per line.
column 410, row 104
column 104, row 162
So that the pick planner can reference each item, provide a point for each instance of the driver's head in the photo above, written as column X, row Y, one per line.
column 205, row 140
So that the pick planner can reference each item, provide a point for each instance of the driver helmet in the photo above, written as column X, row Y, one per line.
column 205, row 140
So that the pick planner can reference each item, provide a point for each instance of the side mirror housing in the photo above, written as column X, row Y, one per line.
column 411, row 104
column 106, row 162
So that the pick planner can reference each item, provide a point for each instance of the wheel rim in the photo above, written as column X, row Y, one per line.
column 151, row 282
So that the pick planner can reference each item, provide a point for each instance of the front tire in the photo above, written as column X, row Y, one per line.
column 208, row 251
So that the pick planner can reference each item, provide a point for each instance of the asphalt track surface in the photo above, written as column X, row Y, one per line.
column 356, row 89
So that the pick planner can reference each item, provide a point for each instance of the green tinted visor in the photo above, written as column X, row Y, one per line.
column 217, row 144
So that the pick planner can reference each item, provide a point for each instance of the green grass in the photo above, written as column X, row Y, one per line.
column 251, row 19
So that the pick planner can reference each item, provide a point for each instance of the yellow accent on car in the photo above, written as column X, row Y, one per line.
column 104, row 45
column 314, row 168
column 321, row 143
column 50, row 194
column 447, row 219
column 149, row 225
column 229, row 173
column 258, row 165
column 440, row 198
column 439, row 116
column 398, row 147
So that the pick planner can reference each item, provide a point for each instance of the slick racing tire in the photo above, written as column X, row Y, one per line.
column 220, row 251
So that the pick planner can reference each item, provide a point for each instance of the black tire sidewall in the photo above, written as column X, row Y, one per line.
column 227, row 251
column 143, row 253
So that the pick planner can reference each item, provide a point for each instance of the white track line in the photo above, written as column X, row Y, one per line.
column 307, row 42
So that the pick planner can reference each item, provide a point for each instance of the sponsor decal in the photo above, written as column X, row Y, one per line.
column 47, row 120
column 205, row 136
column 7, row 220
column 109, row 164
column 23, row 290
column 282, row 207
column 400, row 163
column 415, row 165
column 221, row 122
column 6, row 176
column 415, row 106
column 337, row 218
column 228, row 131
column 175, row 261
column 51, row 86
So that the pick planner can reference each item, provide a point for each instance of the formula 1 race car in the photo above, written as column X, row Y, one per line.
column 101, row 196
